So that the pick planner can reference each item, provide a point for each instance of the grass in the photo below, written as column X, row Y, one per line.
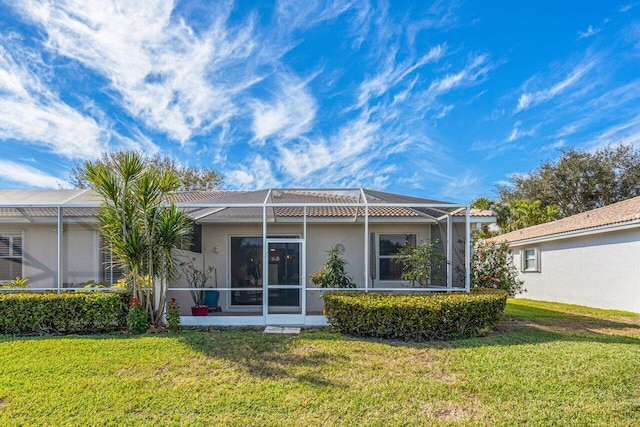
column 545, row 364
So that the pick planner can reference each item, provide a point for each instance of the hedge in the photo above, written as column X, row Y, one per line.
column 66, row 312
column 415, row 317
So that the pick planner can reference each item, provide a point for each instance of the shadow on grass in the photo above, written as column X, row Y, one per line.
column 271, row 357
column 265, row 356
column 533, row 325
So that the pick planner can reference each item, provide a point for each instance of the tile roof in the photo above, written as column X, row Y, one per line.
column 221, row 197
column 616, row 213
column 198, row 196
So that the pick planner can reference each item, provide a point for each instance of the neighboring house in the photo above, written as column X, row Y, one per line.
column 592, row 258
column 51, row 237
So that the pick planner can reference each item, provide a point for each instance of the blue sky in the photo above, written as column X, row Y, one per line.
column 435, row 99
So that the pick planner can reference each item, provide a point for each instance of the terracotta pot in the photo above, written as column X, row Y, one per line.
column 202, row 310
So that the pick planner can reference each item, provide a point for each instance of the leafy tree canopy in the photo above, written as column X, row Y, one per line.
column 576, row 182
column 518, row 213
column 190, row 177
column 580, row 180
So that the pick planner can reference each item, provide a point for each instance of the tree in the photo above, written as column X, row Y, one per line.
column 518, row 213
column 333, row 273
column 579, row 180
column 523, row 213
column 140, row 228
column 422, row 263
column 190, row 177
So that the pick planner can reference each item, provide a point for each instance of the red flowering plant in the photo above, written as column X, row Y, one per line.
column 492, row 267
column 137, row 318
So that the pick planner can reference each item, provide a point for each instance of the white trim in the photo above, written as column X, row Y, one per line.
column 303, row 274
column 286, row 318
column 576, row 233
column 449, row 252
column 467, row 249
column 10, row 234
column 96, row 256
column 367, row 249
column 309, row 321
column 59, row 249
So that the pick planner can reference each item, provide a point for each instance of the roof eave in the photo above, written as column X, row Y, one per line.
column 575, row 233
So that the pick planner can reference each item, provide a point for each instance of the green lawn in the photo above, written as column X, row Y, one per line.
column 545, row 364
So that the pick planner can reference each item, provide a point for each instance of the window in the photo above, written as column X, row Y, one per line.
column 389, row 246
column 531, row 259
column 246, row 270
column 111, row 271
column 10, row 256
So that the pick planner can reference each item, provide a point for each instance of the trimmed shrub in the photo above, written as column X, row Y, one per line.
column 66, row 312
column 415, row 317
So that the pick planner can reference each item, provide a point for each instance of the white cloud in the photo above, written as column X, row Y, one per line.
column 590, row 31
column 627, row 132
column 461, row 187
column 23, row 174
column 294, row 14
column 258, row 174
column 517, row 132
column 530, row 99
column 175, row 80
column 289, row 115
column 475, row 71
column 30, row 112
column 554, row 146
column 394, row 73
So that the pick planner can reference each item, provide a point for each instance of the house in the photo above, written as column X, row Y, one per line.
column 264, row 245
column 591, row 259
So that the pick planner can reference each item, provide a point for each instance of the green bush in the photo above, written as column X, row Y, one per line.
column 415, row 316
column 66, row 312
column 137, row 318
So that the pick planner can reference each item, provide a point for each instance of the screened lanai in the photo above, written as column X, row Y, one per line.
column 264, row 246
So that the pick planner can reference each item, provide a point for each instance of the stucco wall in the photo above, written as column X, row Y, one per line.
column 320, row 239
column 599, row 270
column 80, row 261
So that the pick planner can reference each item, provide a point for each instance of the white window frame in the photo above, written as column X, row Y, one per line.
column 379, row 256
column 535, row 258
column 11, row 235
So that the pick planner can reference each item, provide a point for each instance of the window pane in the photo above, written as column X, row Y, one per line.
column 246, row 269
column 530, row 254
column 17, row 246
column 530, row 264
column 10, row 268
column 391, row 244
column 390, row 269
column 4, row 246
column 284, row 297
column 246, row 298
column 284, row 264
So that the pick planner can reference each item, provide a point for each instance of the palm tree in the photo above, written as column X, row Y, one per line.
column 524, row 213
column 140, row 224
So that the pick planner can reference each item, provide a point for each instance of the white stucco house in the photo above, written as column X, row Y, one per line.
column 590, row 259
column 263, row 244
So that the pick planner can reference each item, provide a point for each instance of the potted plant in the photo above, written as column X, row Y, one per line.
column 197, row 278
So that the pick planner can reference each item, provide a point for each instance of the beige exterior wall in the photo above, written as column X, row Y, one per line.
column 81, row 262
column 320, row 239
column 599, row 270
